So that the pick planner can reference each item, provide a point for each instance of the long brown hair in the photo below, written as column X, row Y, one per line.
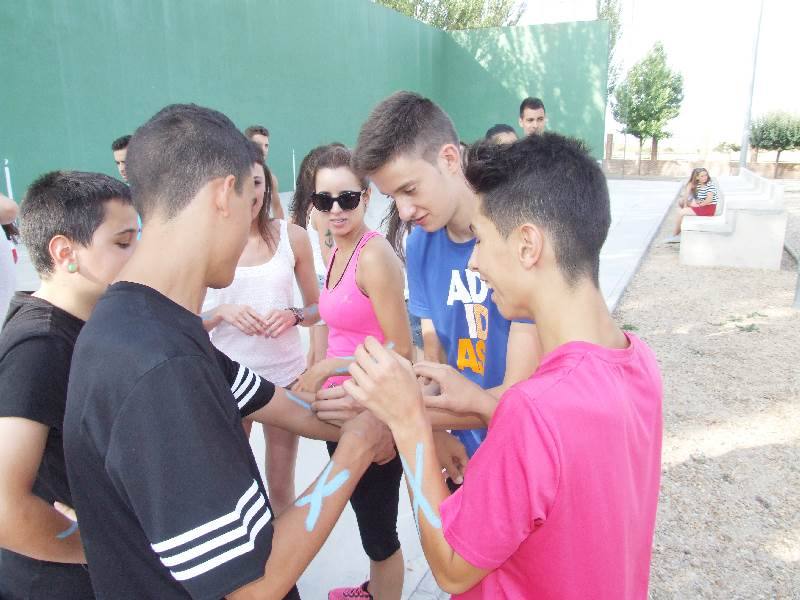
column 304, row 185
column 691, row 185
column 264, row 218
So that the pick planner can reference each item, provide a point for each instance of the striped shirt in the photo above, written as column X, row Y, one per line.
column 702, row 192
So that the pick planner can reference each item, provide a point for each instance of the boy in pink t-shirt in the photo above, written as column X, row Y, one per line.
column 560, row 500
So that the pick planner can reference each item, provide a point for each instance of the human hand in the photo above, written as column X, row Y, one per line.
column 384, row 382
column 312, row 379
column 451, row 454
column 333, row 405
column 456, row 393
column 277, row 321
column 243, row 317
column 373, row 435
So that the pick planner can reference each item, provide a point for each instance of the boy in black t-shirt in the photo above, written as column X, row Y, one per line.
column 79, row 229
column 170, row 501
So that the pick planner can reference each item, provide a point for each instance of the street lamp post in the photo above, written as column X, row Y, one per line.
column 746, row 132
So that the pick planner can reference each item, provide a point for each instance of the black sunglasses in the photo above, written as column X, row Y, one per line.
column 323, row 201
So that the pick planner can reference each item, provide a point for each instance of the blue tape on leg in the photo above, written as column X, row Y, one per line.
column 296, row 400
column 320, row 491
column 415, row 483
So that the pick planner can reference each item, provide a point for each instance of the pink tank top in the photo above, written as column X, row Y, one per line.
column 347, row 310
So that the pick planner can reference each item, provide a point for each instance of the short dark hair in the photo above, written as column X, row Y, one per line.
column 532, row 103
column 552, row 181
column 499, row 128
column 178, row 151
column 256, row 152
column 68, row 203
column 120, row 143
column 256, row 130
column 403, row 122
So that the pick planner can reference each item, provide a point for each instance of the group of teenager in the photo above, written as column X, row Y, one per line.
column 529, row 433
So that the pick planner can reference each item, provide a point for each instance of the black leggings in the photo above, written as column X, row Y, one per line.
column 375, row 502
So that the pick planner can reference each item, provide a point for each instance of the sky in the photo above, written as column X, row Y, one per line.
column 711, row 43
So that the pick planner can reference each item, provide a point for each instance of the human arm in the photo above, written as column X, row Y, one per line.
column 196, row 493
column 523, row 353
column 275, row 207
column 259, row 400
column 459, row 397
column 281, row 319
column 29, row 525
column 9, row 210
column 432, row 348
column 294, row 543
column 243, row 317
column 385, row 383
column 380, row 277
column 33, row 379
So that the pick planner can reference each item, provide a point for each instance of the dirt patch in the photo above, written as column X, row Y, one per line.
column 728, row 343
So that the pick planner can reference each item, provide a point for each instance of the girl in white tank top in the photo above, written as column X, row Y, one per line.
column 254, row 321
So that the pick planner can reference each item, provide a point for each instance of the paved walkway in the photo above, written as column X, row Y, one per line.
column 637, row 210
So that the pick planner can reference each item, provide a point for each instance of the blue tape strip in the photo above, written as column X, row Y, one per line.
column 68, row 532
column 323, row 489
column 415, row 483
column 296, row 400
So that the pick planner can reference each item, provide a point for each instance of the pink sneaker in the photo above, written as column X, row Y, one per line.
column 351, row 592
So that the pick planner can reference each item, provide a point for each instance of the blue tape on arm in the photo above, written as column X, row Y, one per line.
column 297, row 400
column 323, row 489
column 68, row 531
column 415, row 483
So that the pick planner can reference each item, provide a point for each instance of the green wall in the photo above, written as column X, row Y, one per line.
column 490, row 71
column 77, row 74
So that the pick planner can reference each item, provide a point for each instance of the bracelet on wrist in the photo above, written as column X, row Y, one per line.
column 298, row 314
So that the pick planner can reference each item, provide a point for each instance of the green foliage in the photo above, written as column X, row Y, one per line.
column 460, row 14
column 609, row 10
column 649, row 97
column 776, row 131
column 727, row 147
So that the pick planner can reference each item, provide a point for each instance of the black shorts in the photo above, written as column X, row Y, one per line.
column 375, row 502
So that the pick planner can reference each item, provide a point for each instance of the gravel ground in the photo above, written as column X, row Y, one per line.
column 729, row 346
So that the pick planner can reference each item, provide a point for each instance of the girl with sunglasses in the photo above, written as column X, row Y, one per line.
column 253, row 321
column 362, row 295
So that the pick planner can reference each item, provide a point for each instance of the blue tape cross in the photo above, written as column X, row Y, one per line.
column 320, row 491
column 68, row 531
column 296, row 400
column 415, row 483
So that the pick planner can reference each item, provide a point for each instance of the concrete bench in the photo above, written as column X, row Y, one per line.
column 747, row 231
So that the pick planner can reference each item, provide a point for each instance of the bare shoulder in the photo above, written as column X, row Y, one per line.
column 378, row 253
column 298, row 237
column 378, row 265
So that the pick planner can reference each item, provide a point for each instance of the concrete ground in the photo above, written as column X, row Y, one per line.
column 637, row 209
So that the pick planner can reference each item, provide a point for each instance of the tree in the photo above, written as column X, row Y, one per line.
column 776, row 131
column 609, row 10
column 460, row 14
column 648, row 98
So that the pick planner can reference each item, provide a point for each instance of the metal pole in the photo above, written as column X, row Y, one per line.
column 746, row 132
column 9, row 191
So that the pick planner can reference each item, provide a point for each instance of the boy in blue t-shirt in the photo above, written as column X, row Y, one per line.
column 409, row 149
